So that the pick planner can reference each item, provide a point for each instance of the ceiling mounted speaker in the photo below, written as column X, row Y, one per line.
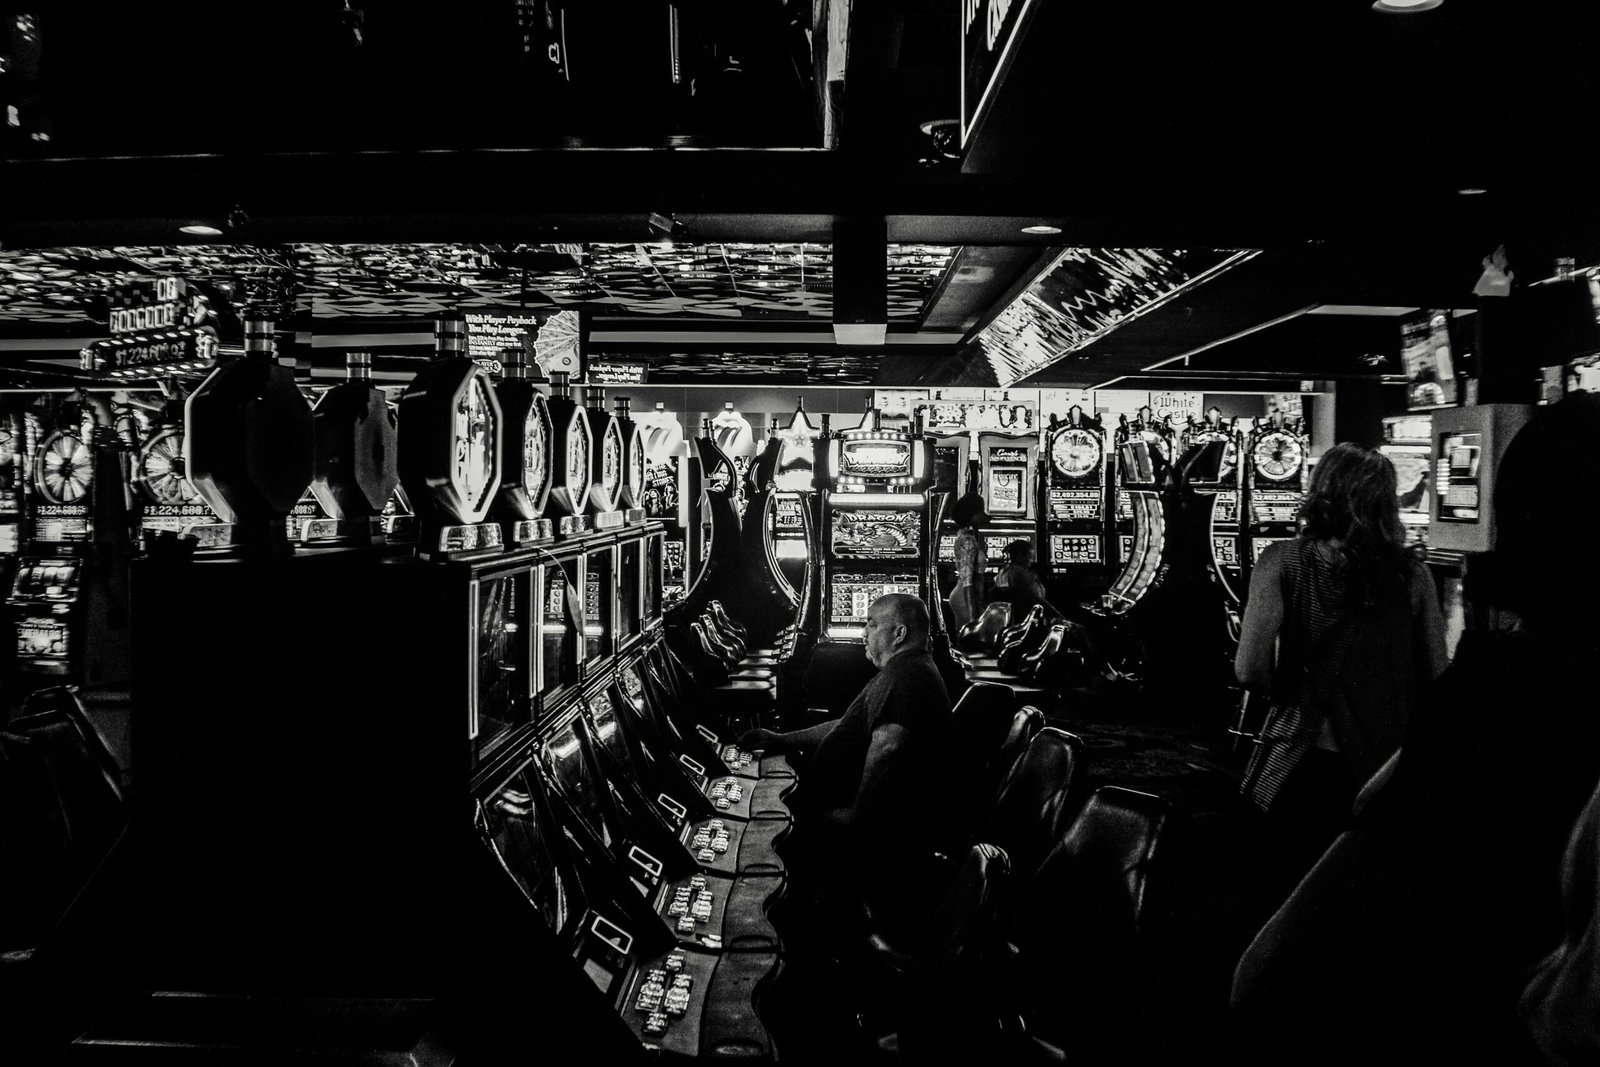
column 860, row 280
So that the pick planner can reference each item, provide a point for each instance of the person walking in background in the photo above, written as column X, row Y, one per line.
column 1416, row 934
column 969, row 595
column 1341, row 632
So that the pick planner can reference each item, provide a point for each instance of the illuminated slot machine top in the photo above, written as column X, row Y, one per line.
column 876, row 518
column 1277, row 458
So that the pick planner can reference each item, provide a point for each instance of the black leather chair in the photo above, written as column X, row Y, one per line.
column 1020, row 639
column 1024, row 724
column 1035, row 799
column 981, row 637
column 63, row 810
column 913, row 998
column 982, row 720
column 1075, row 933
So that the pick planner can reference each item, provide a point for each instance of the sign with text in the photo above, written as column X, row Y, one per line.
column 1176, row 407
column 555, row 339
column 617, row 372
column 989, row 29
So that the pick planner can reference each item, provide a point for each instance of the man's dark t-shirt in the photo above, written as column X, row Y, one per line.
column 907, row 692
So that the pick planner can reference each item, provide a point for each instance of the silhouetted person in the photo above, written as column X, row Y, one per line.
column 1414, row 935
column 870, row 803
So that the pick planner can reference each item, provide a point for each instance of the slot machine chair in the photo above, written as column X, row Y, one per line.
column 980, row 638
column 983, row 719
column 1021, row 638
column 1036, row 799
column 62, row 810
column 1084, row 905
column 913, row 995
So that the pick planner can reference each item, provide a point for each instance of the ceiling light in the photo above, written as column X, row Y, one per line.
column 1471, row 190
column 200, row 229
column 1041, row 228
column 1405, row 7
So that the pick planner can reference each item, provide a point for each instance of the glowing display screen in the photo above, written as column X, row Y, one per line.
column 853, row 594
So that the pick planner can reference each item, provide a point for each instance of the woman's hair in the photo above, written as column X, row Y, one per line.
column 1353, row 499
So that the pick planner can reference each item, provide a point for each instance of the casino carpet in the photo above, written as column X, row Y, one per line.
column 1202, row 901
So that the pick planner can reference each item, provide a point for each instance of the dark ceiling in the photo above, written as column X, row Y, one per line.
column 1242, row 190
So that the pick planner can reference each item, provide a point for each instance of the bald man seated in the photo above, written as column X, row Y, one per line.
column 870, row 803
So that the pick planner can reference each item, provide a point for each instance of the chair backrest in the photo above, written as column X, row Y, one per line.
column 1033, row 803
column 1024, row 724
column 970, row 909
column 1097, row 872
column 952, row 972
column 1083, row 905
column 61, row 810
column 981, row 721
column 983, row 633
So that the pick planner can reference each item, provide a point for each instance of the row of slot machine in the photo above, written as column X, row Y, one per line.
column 1089, row 500
column 347, row 690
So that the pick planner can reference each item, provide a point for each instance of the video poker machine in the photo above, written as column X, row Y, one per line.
column 1074, row 519
column 874, row 525
column 1276, row 476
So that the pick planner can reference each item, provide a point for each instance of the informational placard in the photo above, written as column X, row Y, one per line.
column 947, row 416
column 617, row 372
column 554, row 338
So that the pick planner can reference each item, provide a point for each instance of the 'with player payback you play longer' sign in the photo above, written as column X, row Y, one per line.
column 554, row 338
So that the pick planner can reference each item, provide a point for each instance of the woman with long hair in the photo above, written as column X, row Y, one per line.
column 1341, row 631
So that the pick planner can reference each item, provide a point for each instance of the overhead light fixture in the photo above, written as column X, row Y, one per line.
column 860, row 333
column 200, row 229
column 1471, row 190
column 1041, row 228
column 1405, row 7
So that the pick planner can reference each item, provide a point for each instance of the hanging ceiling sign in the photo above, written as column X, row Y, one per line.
column 158, row 326
column 957, row 416
column 988, row 39
column 617, row 372
column 1176, row 407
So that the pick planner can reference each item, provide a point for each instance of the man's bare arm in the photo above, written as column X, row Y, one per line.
column 888, row 741
column 787, row 741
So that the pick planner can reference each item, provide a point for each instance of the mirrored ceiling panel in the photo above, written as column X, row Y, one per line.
column 1087, row 293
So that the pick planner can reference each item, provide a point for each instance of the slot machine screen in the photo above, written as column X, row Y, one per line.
column 1136, row 464
column 1225, row 551
column 1456, row 476
column 947, row 468
column 598, row 590
column 673, row 575
column 947, row 548
column 653, row 580
column 1075, row 548
column 608, row 730
column 564, row 758
column 527, row 845
column 502, row 656
column 557, row 632
column 46, row 579
column 628, row 590
column 853, row 594
column 877, row 533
